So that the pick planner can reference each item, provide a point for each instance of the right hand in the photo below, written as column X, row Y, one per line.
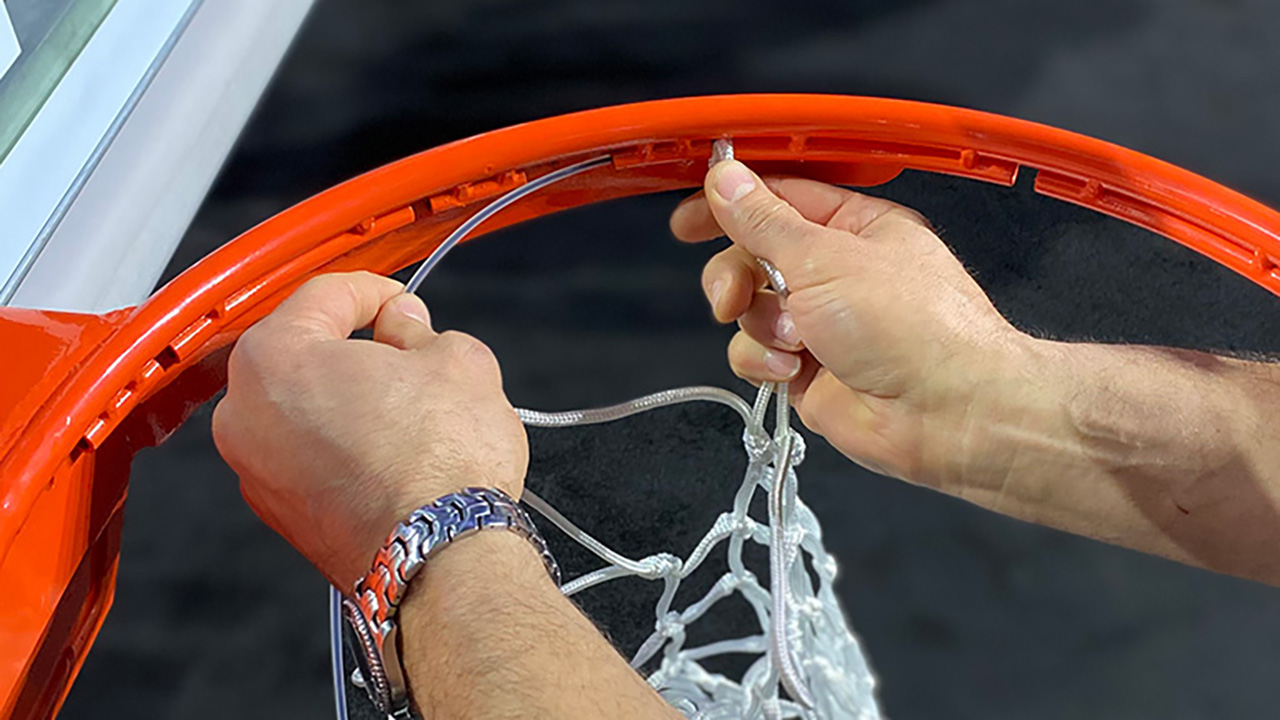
column 899, row 359
column 888, row 343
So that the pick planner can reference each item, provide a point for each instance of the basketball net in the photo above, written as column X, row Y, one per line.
column 804, row 644
column 808, row 664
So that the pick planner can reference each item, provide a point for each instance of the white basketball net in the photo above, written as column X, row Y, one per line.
column 804, row 644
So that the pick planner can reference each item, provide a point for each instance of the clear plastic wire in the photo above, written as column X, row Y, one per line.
column 459, row 233
column 805, row 644
column 494, row 208
column 335, row 652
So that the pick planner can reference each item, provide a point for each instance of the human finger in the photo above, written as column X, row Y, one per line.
column 404, row 322
column 890, row 220
column 730, row 279
column 836, row 207
column 769, row 324
column 752, row 361
column 760, row 221
column 331, row 307
column 692, row 220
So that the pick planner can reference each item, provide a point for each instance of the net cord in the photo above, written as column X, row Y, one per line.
column 779, row 510
column 734, row 526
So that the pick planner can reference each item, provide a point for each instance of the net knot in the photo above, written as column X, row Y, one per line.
column 744, row 527
column 763, row 449
column 758, row 444
column 810, row 607
column 670, row 625
column 660, row 565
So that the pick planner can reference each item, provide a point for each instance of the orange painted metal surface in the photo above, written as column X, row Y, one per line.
column 80, row 394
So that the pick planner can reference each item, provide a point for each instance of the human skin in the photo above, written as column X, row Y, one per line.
column 337, row 440
column 898, row 358
column 895, row 356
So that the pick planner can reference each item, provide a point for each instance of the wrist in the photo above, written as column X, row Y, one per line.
column 485, row 569
column 373, row 608
column 465, row 612
column 396, row 495
column 1158, row 449
column 1000, row 397
column 1078, row 434
column 407, row 490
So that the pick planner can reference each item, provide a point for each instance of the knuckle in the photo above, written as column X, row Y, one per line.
column 247, row 353
column 913, row 216
column 907, row 218
column 768, row 216
column 362, row 282
column 322, row 290
column 262, row 358
column 222, row 426
column 255, row 350
column 218, row 423
column 468, row 351
column 731, row 263
column 366, row 275
column 322, row 284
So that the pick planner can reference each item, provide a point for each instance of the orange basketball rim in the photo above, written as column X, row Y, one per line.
column 80, row 394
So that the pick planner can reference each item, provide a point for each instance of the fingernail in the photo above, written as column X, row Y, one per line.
column 782, row 364
column 784, row 328
column 733, row 181
column 717, row 290
column 412, row 306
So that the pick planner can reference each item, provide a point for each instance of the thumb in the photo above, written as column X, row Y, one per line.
column 403, row 322
column 753, row 217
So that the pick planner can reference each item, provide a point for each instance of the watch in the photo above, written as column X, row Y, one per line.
column 370, row 610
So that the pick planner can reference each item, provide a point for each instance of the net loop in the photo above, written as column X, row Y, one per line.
column 803, row 631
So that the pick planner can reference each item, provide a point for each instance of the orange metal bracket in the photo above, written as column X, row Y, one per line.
column 80, row 394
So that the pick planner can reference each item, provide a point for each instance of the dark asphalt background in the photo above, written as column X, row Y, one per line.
column 965, row 614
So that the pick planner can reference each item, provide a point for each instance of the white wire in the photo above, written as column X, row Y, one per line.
column 779, row 520
column 664, row 398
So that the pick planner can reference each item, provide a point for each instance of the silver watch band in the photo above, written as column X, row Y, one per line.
column 371, row 609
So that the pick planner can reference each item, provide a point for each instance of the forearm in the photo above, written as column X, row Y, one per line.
column 487, row 635
column 1161, row 450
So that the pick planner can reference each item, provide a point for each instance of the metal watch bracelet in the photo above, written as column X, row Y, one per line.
column 370, row 611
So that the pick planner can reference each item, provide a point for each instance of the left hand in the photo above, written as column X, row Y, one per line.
column 337, row 440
